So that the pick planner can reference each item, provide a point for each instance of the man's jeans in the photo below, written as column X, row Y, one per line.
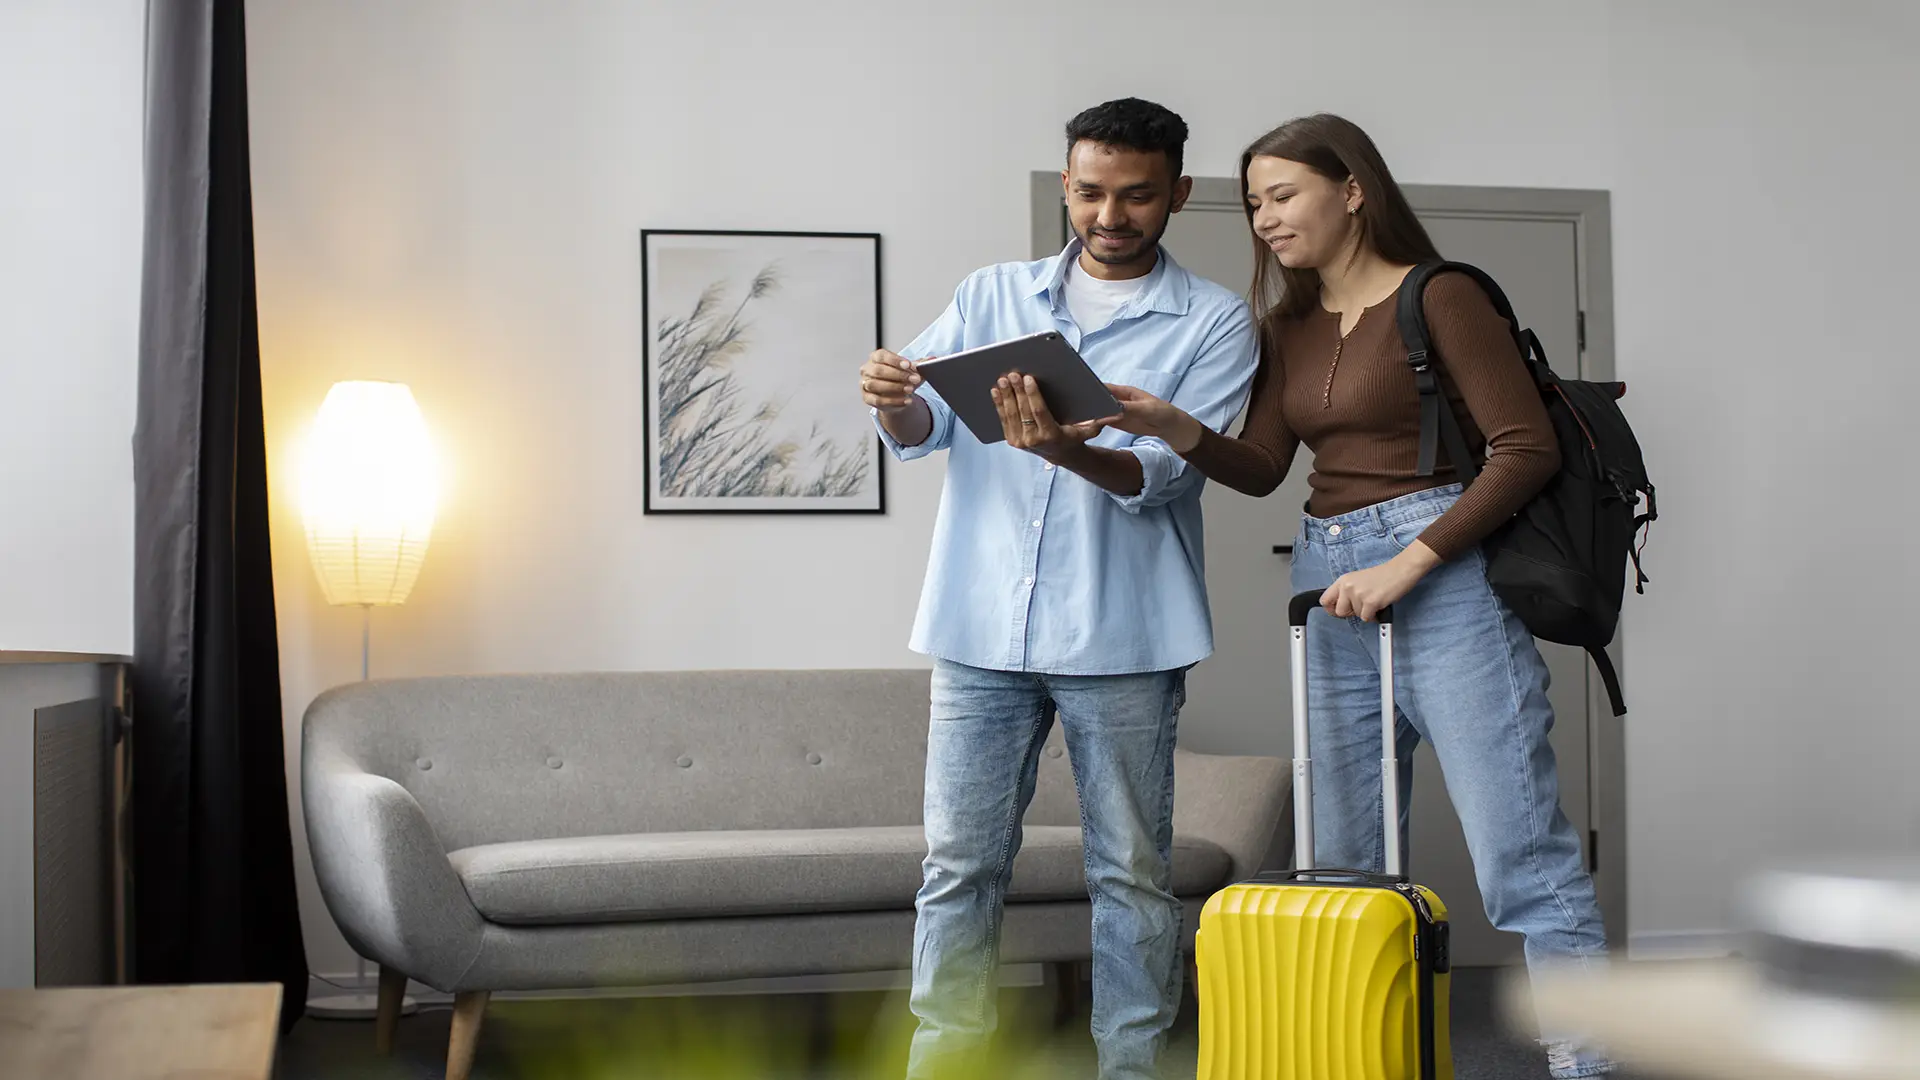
column 1468, row 678
column 983, row 750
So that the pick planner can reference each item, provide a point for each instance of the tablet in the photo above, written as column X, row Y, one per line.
column 1073, row 393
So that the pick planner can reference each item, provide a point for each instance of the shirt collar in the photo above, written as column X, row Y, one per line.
column 1166, row 288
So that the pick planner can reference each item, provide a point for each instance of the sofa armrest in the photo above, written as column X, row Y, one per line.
column 1239, row 803
column 384, row 874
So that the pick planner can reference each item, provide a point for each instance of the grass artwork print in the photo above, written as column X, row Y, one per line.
column 752, row 342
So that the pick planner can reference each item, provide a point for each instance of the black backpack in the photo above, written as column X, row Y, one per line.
column 1560, row 561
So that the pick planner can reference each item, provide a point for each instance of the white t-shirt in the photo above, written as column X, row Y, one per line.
column 1092, row 301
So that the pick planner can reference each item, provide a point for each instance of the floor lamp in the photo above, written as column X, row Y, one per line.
column 369, row 489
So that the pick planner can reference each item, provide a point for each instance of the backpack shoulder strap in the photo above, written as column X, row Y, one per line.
column 1413, row 292
column 1410, row 311
column 1608, row 676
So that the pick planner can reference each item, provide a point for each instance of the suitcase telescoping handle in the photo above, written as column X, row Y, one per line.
column 1298, row 609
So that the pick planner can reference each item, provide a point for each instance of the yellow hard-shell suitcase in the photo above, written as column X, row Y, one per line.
column 1326, row 974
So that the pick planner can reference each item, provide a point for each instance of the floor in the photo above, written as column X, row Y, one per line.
column 790, row 1037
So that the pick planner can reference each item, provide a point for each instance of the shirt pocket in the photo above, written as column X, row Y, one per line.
column 1160, row 384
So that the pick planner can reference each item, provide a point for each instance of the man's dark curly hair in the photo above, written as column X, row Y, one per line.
column 1134, row 124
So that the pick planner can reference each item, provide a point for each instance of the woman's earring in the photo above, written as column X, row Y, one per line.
column 1354, row 209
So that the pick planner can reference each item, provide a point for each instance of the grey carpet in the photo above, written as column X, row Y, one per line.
column 791, row 1037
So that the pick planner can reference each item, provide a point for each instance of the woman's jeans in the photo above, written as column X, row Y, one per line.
column 983, row 750
column 1469, row 679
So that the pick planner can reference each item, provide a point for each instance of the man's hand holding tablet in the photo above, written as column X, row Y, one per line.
column 1029, row 425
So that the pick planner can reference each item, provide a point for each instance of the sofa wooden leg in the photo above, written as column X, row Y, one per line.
column 468, row 1010
column 393, row 994
column 1066, row 992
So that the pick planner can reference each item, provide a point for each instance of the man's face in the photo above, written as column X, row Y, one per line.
column 1120, row 200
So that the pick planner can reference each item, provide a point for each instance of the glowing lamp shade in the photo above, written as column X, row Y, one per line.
column 369, row 487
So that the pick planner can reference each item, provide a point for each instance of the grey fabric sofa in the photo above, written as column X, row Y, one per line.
column 524, row 832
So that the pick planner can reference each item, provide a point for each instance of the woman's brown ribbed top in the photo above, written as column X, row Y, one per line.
column 1361, row 416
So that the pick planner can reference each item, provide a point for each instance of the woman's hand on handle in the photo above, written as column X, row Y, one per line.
column 1149, row 417
column 1365, row 592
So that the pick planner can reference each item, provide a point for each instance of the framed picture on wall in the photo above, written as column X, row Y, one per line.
column 752, row 345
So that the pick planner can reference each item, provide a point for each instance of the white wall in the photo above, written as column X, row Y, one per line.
column 452, row 196
column 1764, row 266
column 70, row 241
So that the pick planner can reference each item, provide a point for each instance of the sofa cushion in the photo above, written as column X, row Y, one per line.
column 651, row 876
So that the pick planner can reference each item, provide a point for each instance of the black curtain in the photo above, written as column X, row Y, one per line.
column 213, row 889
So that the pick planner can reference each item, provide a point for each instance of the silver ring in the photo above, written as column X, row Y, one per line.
column 1027, row 423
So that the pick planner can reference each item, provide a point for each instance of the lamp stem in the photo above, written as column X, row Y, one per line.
column 366, row 642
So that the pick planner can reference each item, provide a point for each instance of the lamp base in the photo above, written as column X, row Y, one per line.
column 354, row 1007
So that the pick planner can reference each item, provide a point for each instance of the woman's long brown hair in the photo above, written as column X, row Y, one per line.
column 1335, row 148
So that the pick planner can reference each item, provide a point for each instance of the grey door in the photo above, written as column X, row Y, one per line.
column 1238, row 700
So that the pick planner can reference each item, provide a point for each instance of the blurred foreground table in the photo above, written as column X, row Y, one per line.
column 1716, row 1021
column 140, row 1032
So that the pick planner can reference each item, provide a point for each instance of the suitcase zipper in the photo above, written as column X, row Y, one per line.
column 1426, row 951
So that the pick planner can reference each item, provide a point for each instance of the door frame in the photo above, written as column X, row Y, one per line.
column 1589, row 211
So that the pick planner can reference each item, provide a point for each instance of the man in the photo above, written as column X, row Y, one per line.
column 1066, row 579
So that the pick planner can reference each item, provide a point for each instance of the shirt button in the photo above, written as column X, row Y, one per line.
column 1049, row 465
column 1029, row 581
column 1036, row 524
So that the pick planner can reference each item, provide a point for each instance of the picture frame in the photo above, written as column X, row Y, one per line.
column 751, row 341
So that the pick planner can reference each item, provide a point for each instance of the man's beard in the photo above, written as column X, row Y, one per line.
column 1144, row 246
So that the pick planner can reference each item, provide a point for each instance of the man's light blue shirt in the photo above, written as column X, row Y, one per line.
column 1037, row 569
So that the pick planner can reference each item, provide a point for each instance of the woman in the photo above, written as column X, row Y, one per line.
column 1330, row 222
